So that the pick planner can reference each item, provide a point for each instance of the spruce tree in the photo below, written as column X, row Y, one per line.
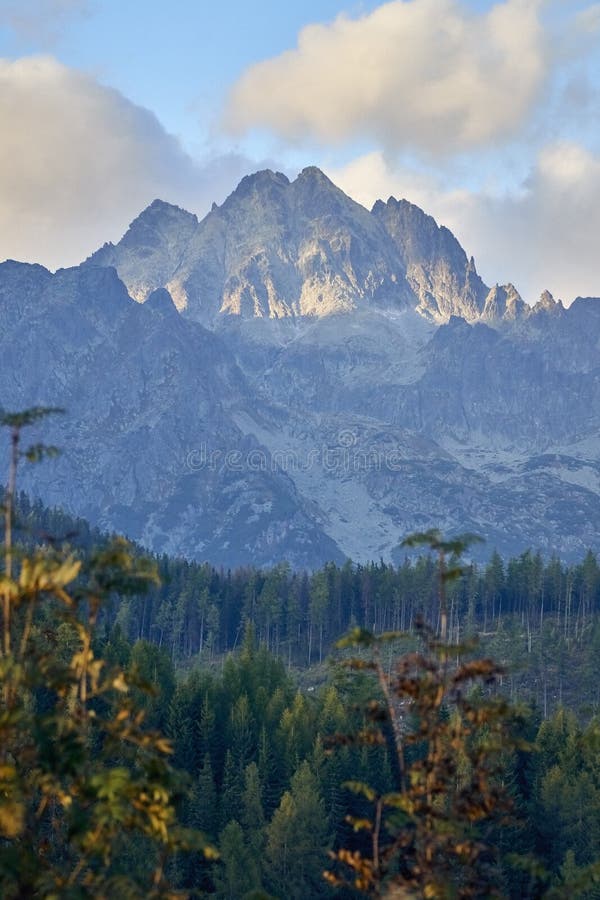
column 231, row 791
column 204, row 802
column 297, row 840
column 253, row 816
column 238, row 873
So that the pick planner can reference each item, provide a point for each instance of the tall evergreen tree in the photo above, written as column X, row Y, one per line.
column 253, row 816
column 231, row 790
column 297, row 840
column 238, row 872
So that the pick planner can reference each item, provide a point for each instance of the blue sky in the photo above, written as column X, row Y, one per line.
column 176, row 58
column 484, row 113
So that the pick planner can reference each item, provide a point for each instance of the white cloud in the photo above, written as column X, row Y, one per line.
column 373, row 177
column 543, row 235
column 413, row 73
column 78, row 161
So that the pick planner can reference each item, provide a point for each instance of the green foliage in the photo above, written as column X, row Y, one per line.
column 253, row 814
column 239, row 873
column 80, row 774
column 297, row 840
column 449, row 741
column 539, row 618
column 94, row 641
column 16, row 421
column 566, row 809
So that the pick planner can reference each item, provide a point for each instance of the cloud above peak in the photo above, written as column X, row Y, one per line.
column 426, row 74
column 78, row 161
column 542, row 234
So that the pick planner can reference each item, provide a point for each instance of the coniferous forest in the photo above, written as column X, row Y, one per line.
column 241, row 673
column 170, row 729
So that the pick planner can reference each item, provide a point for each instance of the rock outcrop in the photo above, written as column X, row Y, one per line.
column 303, row 379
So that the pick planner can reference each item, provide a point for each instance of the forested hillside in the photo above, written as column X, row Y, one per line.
column 540, row 617
column 247, row 684
column 265, row 790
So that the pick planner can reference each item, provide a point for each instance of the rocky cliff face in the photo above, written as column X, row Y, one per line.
column 445, row 282
column 151, row 250
column 304, row 379
column 147, row 396
column 278, row 249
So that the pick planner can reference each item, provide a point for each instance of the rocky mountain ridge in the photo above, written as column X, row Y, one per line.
column 278, row 249
column 296, row 377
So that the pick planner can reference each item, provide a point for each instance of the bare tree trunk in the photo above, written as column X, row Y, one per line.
column 8, row 529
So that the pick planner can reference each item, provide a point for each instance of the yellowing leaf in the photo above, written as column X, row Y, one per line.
column 120, row 684
column 12, row 819
column 8, row 587
column 40, row 574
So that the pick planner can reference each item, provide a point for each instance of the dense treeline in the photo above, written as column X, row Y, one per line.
column 252, row 737
column 265, row 790
column 298, row 616
column 539, row 617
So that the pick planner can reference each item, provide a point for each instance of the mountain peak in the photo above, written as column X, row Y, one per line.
column 278, row 248
column 442, row 277
column 585, row 307
column 313, row 173
column 503, row 303
column 548, row 304
column 405, row 208
column 159, row 213
column 151, row 248
column 159, row 205
column 264, row 178
column 14, row 266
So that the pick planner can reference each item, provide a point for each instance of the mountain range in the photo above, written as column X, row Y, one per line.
column 297, row 377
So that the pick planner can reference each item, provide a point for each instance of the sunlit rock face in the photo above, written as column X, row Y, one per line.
column 274, row 249
column 295, row 377
column 445, row 282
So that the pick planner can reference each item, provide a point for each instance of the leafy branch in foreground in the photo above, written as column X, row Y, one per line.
column 449, row 740
column 84, row 786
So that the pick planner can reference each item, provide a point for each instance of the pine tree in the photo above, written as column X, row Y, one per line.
column 200, row 812
column 319, row 601
column 297, row 730
column 203, row 806
column 270, row 770
column 329, row 771
column 238, row 874
column 241, row 733
column 231, row 791
column 297, row 840
column 253, row 816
